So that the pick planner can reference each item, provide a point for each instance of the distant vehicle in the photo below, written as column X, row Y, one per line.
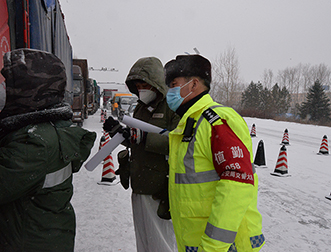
column 124, row 102
column 107, row 95
column 128, row 112
column 108, row 105
column 96, row 97
column 78, row 99
column 114, row 102
column 82, row 63
column 93, row 96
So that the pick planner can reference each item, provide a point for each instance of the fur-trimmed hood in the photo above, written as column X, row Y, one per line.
column 58, row 112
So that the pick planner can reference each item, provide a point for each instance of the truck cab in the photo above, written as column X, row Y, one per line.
column 78, row 99
column 115, row 107
column 107, row 94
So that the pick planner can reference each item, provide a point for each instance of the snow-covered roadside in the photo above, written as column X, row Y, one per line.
column 296, row 215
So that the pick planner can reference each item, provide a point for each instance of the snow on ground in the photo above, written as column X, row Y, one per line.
column 296, row 215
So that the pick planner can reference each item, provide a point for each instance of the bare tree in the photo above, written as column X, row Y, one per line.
column 306, row 78
column 268, row 78
column 291, row 79
column 226, row 84
column 301, row 77
column 321, row 73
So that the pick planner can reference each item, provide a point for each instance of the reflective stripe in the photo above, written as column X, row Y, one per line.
column 220, row 234
column 188, row 158
column 194, row 178
column 227, row 236
column 56, row 178
column 189, row 163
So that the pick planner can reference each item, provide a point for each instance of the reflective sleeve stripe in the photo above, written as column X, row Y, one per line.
column 228, row 236
column 56, row 178
column 220, row 234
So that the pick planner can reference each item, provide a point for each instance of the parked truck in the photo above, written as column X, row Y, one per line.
column 94, row 102
column 107, row 94
column 78, row 98
column 37, row 25
column 82, row 64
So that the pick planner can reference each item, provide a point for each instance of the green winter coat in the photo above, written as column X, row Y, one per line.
column 36, row 166
column 149, row 166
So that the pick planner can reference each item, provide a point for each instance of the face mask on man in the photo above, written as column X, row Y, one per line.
column 146, row 95
column 174, row 99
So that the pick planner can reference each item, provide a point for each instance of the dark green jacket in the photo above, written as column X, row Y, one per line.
column 149, row 166
column 37, row 159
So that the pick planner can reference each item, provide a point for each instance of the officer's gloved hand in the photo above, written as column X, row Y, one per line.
column 135, row 136
column 112, row 126
column 163, row 208
column 124, row 168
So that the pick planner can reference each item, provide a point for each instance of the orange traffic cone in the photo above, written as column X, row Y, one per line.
column 324, row 149
column 253, row 131
column 328, row 197
column 260, row 157
column 281, row 169
column 108, row 173
column 285, row 138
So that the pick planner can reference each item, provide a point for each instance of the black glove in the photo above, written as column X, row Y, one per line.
column 112, row 126
column 124, row 168
column 134, row 136
column 163, row 208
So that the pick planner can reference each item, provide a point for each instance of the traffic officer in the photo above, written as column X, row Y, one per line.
column 212, row 182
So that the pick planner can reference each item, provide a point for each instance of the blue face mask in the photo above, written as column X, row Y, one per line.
column 174, row 98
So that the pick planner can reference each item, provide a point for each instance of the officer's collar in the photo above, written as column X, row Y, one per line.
column 183, row 108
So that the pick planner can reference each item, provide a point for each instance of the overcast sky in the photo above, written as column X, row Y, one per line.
column 265, row 34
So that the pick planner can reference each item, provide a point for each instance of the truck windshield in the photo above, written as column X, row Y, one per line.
column 77, row 87
column 127, row 100
column 107, row 93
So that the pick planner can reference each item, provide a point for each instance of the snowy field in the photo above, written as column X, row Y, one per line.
column 296, row 214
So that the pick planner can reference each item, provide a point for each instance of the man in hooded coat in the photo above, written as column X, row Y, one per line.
column 148, row 165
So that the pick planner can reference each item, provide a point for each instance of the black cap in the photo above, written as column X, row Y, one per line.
column 187, row 66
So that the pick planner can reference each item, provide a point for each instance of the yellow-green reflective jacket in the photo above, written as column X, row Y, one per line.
column 209, row 213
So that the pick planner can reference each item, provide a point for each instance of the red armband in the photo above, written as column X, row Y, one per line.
column 230, row 156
